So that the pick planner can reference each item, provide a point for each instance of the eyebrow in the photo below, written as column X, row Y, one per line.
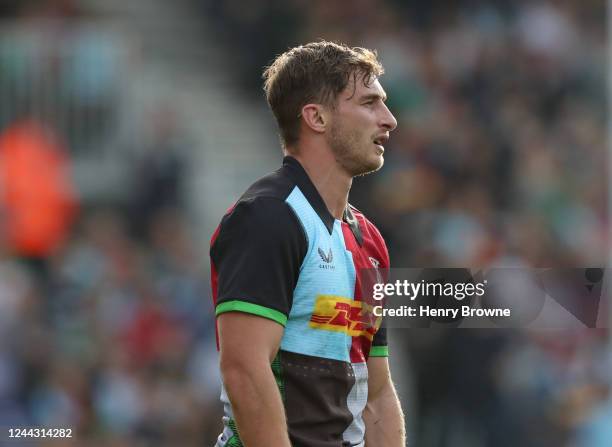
column 373, row 96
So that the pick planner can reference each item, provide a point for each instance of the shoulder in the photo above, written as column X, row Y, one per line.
column 263, row 203
column 267, row 218
column 262, row 216
column 276, row 185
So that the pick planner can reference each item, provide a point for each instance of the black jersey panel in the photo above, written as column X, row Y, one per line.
column 258, row 254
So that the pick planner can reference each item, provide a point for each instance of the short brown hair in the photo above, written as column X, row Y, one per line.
column 315, row 72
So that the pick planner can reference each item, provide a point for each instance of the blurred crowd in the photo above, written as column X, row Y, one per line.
column 111, row 336
column 106, row 325
column 58, row 67
column 499, row 159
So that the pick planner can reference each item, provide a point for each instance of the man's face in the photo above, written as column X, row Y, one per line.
column 360, row 126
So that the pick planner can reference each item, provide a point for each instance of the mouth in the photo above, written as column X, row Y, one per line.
column 379, row 142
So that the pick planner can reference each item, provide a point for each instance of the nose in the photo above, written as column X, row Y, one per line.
column 388, row 121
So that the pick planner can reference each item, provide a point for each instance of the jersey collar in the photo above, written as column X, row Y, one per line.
column 300, row 177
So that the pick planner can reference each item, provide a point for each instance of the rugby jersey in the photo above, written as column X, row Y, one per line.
column 279, row 253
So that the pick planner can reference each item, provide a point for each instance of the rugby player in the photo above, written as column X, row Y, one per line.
column 299, row 366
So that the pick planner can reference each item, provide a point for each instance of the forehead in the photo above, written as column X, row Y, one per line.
column 356, row 89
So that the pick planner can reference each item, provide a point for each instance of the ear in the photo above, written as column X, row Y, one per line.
column 314, row 116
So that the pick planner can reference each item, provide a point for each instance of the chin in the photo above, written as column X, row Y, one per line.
column 377, row 162
column 369, row 166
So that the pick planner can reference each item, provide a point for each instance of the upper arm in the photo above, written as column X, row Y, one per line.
column 379, row 376
column 383, row 415
column 247, row 340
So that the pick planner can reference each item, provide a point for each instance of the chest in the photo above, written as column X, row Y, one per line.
column 333, row 266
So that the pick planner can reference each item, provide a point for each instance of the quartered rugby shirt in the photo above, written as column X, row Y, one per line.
column 279, row 254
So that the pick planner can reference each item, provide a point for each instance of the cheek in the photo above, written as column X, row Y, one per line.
column 365, row 116
column 353, row 128
column 359, row 116
column 356, row 137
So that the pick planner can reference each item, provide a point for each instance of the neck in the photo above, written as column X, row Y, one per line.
column 331, row 181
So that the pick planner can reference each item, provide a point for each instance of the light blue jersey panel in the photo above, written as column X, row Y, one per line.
column 327, row 269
